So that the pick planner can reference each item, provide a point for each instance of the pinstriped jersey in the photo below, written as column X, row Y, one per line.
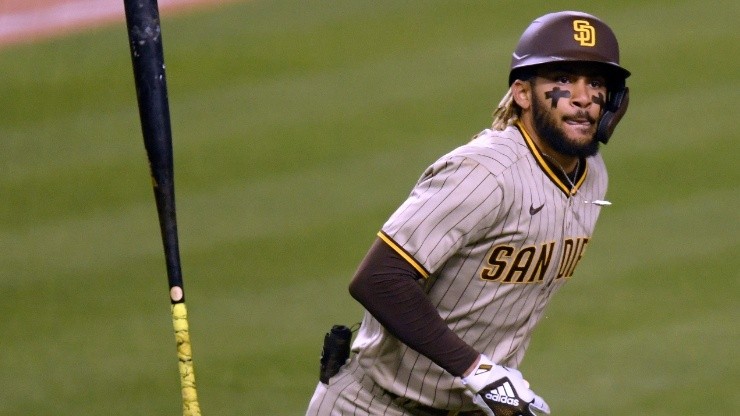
column 494, row 232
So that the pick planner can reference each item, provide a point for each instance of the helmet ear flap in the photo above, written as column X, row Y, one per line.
column 616, row 106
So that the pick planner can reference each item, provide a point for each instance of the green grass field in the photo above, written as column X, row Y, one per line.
column 298, row 128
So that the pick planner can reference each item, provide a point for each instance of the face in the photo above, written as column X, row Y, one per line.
column 567, row 101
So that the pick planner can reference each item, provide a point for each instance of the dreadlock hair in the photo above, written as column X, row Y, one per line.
column 507, row 112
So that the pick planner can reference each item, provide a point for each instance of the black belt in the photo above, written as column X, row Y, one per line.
column 419, row 409
column 414, row 407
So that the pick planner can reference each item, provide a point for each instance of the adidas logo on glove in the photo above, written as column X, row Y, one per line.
column 499, row 390
column 503, row 394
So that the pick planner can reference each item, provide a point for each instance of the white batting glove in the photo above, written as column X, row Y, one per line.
column 502, row 391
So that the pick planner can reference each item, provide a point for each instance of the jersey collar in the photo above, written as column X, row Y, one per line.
column 549, row 172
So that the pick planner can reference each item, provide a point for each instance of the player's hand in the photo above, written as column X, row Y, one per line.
column 502, row 391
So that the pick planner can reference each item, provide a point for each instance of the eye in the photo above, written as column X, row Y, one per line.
column 597, row 82
column 563, row 79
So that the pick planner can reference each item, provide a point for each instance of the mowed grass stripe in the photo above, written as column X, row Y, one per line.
column 689, row 226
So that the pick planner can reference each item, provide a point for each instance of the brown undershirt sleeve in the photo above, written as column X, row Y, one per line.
column 386, row 285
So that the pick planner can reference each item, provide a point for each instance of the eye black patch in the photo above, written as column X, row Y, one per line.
column 557, row 94
column 599, row 100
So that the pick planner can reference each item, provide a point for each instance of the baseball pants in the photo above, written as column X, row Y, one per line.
column 352, row 392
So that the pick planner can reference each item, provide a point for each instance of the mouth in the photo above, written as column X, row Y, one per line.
column 580, row 120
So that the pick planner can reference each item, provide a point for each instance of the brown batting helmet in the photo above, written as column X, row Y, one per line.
column 567, row 36
column 571, row 36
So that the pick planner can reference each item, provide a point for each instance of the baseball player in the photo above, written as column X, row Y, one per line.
column 462, row 271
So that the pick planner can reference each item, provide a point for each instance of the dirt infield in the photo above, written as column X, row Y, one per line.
column 23, row 21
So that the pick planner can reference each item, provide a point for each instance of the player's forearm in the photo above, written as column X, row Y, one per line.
column 385, row 285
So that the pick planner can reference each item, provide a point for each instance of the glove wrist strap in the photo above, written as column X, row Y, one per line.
column 481, row 374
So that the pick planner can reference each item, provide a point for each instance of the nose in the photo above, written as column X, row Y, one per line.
column 580, row 94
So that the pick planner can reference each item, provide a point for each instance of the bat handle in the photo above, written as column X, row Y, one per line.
column 190, row 406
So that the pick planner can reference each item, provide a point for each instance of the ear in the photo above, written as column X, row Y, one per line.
column 522, row 93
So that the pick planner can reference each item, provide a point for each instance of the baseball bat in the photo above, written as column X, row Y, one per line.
column 147, row 57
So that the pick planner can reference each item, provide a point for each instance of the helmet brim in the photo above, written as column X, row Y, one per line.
column 612, row 71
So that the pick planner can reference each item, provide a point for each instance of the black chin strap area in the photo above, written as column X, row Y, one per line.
column 615, row 109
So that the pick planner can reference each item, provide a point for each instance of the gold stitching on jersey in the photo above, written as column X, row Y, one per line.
column 545, row 167
column 573, row 250
column 582, row 178
column 508, row 264
column 398, row 249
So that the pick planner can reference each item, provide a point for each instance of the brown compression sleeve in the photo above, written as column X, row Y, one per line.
column 386, row 285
